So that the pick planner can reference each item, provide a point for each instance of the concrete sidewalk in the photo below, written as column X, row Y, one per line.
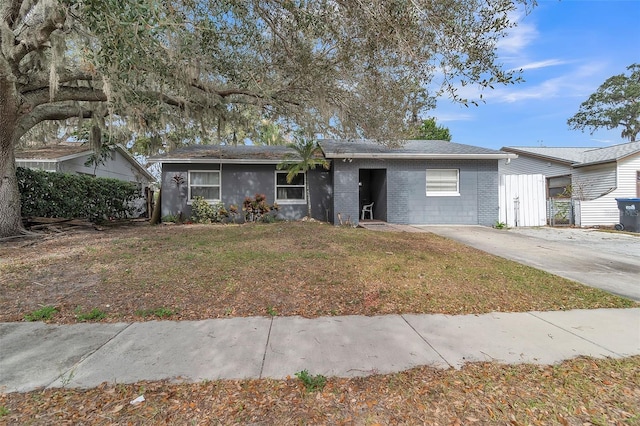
column 35, row 355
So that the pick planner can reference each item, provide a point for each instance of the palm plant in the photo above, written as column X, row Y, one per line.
column 307, row 157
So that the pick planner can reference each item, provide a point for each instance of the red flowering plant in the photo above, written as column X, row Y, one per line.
column 257, row 209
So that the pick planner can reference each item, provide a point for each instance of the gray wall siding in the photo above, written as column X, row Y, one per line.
column 531, row 166
column 239, row 181
column 407, row 202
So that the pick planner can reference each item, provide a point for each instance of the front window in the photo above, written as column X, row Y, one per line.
column 443, row 182
column 290, row 192
column 205, row 184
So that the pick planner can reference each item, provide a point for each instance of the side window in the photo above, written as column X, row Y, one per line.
column 443, row 182
column 205, row 184
column 293, row 192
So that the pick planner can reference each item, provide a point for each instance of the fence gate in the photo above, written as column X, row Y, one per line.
column 523, row 200
column 560, row 211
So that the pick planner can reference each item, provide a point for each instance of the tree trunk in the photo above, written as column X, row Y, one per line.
column 306, row 186
column 157, row 210
column 10, row 217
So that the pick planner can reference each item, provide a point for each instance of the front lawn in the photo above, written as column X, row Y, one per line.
column 309, row 269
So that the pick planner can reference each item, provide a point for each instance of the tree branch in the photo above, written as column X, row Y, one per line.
column 35, row 38
column 41, row 81
column 16, row 10
column 50, row 112
column 65, row 93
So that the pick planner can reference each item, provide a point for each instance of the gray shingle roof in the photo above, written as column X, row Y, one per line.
column 51, row 152
column 418, row 149
column 610, row 153
column 563, row 155
column 66, row 150
column 579, row 157
column 332, row 149
column 226, row 153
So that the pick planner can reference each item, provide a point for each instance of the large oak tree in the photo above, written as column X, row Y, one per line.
column 335, row 67
column 616, row 103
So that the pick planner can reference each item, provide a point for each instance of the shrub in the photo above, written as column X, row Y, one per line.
column 312, row 383
column 204, row 212
column 256, row 209
column 47, row 194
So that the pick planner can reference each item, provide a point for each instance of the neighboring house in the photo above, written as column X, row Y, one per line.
column 70, row 157
column 422, row 182
column 592, row 177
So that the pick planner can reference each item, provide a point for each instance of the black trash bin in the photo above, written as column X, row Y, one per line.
column 629, row 214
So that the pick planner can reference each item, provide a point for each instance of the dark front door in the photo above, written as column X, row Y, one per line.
column 373, row 189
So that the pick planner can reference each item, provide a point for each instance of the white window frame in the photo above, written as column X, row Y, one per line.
column 219, row 185
column 432, row 193
column 290, row 201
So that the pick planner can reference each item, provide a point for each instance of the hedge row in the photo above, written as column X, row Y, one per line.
column 47, row 194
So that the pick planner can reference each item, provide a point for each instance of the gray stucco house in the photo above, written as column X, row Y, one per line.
column 420, row 182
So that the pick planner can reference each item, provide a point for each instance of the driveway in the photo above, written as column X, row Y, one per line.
column 598, row 259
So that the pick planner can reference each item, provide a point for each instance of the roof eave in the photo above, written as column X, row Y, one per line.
column 539, row 156
column 408, row 156
column 594, row 163
column 214, row 160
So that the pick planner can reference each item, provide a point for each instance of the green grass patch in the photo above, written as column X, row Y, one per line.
column 42, row 314
column 94, row 314
column 157, row 312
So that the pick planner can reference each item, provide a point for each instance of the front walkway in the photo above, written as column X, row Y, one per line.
column 35, row 355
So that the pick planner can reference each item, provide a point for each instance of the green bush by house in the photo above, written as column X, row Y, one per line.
column 47, row 194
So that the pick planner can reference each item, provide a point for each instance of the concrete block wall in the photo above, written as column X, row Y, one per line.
column 488, row 186
column 239, row 181
column 407, row 202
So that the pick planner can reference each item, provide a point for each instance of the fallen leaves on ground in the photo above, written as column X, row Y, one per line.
column 582, row 391
column 195, row 272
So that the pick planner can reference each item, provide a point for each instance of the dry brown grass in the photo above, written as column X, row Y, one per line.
column 577, row 392
column 308, row 269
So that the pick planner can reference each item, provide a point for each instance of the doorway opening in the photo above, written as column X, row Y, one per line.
column 373, row 189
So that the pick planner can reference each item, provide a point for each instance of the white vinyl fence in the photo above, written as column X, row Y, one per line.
column 523, row 200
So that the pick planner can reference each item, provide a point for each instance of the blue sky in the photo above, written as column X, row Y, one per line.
column 566, row 49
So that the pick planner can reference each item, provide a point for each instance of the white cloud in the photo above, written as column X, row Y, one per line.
column 454, row 117
column 545, row 90
column 578, row 81
column 606, row 141
column 539, row 64
column 518, row 38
